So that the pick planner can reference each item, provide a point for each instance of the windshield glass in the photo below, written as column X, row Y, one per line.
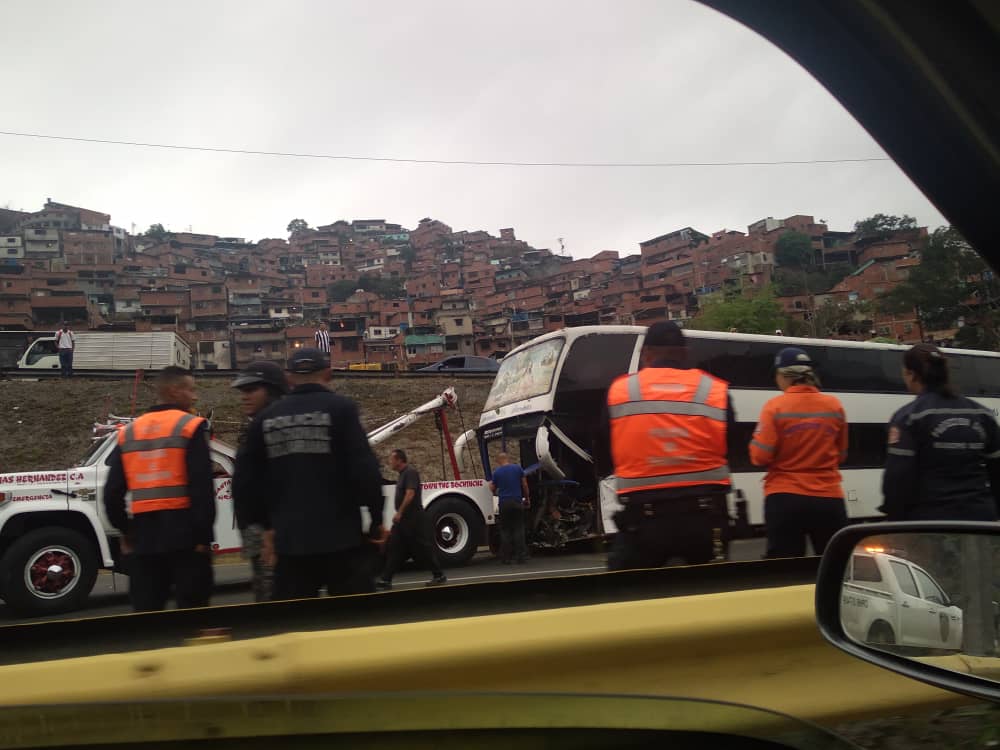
column 526, row 374
column 92, row 452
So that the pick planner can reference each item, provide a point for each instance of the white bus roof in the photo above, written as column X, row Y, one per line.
column 572, row 333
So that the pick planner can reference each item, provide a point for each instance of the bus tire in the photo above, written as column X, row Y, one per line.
column 49, row 570
column 881, row 634
column 457, row 530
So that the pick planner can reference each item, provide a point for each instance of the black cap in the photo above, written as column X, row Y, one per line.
column 267, row 373
column 664, row 333
column 307, row 360
column 792, row 356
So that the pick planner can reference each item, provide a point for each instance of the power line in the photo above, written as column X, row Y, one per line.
column 451, row 162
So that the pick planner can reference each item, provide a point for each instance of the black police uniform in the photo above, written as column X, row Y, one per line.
column 943, row 461
column 163, row 542
column 691, row 523
column 305, row 471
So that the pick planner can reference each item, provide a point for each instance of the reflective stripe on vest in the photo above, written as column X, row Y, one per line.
column 154, row 457
column 668, row 429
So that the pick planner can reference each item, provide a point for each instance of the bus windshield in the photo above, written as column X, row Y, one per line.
column 525, row 374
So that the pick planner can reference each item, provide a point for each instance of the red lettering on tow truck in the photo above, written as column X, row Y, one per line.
column 33, row 478
column 453, row 485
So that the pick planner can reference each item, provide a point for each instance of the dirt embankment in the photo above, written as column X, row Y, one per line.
column 47, row 424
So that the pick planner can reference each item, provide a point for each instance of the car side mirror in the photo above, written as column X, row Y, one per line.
column 872, row 601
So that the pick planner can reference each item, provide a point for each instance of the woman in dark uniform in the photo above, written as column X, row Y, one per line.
column 943, row 459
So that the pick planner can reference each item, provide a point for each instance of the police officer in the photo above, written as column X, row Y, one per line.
column 668, row 443
column 163, row 459
column 260, row 385
column 304, row 474
column 802, row 439
column 943, row 459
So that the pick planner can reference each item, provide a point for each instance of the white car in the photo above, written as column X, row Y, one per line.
column 55, row 535
column 888, row 601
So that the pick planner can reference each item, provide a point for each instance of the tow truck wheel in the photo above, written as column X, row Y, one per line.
column 880, row 634
column 458, row 530
column 48, row 570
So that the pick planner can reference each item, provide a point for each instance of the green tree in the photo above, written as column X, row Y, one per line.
column 951, row 284
column 386, row 288
column 758, row 313
column 408, row 255
column 792, row 281
column 157, row 232
column 794, row 249
column 881, row 226
column 297, row 225
column 338, row 291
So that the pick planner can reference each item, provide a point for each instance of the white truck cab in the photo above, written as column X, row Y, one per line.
column 55, row 535
column 890, row 601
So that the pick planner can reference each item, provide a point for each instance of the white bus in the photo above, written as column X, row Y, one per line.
column 547, row 399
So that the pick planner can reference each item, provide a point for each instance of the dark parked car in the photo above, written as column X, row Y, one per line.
column 463, row 364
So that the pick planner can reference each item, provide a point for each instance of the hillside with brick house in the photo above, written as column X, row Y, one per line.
column 418, row 294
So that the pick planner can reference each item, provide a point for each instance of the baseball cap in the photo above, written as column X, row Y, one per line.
column 266, row 373
column 664, row 333
column 792, row 356
column 307, row 360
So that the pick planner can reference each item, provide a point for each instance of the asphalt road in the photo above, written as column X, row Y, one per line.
column 110, row 594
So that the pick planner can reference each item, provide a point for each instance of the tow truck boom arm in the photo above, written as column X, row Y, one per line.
column 383, row 433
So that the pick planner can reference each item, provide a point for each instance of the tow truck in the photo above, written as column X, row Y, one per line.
column 55, row 535
column 888, row 600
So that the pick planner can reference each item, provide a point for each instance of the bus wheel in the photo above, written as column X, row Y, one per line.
column 458, row 530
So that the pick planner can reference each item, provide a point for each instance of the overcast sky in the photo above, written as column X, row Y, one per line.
column 621, row 80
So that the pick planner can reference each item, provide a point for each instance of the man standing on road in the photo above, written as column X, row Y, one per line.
column 65, row 344
column 260, row 385
column 163, row 459
column 322, row 337
column 304, row 474
column 410, row 535
column 668, row 444
column 511, row 488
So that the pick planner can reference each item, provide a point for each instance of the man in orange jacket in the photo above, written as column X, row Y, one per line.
column 163, row 459
column 669, row 426
column 802, row 439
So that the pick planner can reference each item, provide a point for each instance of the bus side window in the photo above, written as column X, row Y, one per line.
column 855, row 369
column 975, row 376
column 866, row 444
column 987, row 371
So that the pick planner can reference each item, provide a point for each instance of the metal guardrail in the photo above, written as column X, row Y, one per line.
column 757, row 646
column 13, row 374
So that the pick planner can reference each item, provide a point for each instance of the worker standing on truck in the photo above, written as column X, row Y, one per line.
column 668, row 444
column 802, row 439
column 411, row 534
column 511, row 488
column 65, row 344
column 260, row 385
column 304, row 474
column 163, row 459
column 943, row 459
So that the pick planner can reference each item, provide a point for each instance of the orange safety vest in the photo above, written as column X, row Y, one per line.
column 154, row 456
column 668, row 429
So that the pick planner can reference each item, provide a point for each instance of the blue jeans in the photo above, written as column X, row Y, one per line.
column 66, row 362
